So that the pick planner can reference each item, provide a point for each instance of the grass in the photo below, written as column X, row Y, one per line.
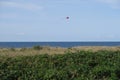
column 37, row 50
column 60, row 64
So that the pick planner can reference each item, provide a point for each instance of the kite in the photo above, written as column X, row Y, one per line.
column 67, row 17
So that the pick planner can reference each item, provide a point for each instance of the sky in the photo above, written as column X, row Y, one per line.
column 45, row 20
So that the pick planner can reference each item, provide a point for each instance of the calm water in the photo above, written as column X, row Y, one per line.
column 55, row 44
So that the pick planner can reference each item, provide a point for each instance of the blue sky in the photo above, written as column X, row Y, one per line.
column 45, row 20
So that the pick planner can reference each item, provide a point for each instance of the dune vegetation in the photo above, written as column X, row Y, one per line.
column 37, row 50
column 47, row 63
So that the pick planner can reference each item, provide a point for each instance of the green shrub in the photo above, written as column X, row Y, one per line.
column 37, row 47
column 12, row 49
column 81, row 65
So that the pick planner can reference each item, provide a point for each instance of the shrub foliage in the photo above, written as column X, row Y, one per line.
column 81, row 65
column 37, row 47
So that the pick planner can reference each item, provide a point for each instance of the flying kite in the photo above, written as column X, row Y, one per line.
column 67, row 17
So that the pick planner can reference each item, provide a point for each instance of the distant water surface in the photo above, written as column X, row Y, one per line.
column 55, row 44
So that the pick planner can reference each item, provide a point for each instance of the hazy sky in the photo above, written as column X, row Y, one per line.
column 45, row 20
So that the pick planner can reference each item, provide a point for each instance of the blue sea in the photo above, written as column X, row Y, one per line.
column 55, row 44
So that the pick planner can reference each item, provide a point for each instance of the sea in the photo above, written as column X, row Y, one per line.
column 55, row 44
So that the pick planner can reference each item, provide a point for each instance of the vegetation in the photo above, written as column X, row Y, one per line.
column 37, row 47
column 79, row 65
column 12, row 49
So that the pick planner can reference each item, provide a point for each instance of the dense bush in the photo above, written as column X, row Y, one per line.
column 82, row 65
column 37, row 47
column 12, row 49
